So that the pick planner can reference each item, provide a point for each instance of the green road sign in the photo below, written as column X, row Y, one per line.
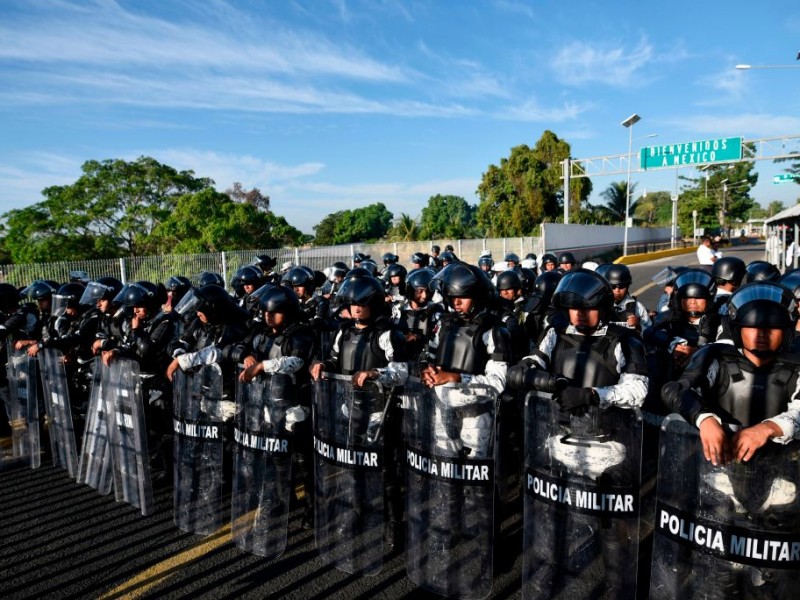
column 784, row 177
column 690, row 153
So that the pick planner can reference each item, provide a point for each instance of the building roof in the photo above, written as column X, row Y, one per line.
column 789, row 214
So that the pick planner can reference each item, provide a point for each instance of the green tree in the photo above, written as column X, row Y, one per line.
column 324, row 231
column 527, row 188
column 405, row 229
column 111, row 209
column 362, row 224
column 447, row 217
column 210, row 221
column 616, row 196
column 654, row 210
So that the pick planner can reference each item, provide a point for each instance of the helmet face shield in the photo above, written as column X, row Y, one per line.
column 664, row 277
column 189, row 304
column 94, row 291
column 60, row 305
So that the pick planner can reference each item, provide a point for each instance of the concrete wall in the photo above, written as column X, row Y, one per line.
column 590, row 240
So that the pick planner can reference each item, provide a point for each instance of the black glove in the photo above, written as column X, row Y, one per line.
column 577, row 401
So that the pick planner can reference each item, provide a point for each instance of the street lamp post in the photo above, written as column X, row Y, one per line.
column 722, row 213
column 628, row 123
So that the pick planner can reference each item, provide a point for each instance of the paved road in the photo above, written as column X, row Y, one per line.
column 63, row 540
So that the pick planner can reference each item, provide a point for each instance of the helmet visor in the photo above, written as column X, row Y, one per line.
column 94, row 291
column 189, row 304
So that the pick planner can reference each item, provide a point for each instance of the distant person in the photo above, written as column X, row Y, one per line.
column 792, row 252
column 705, row 253
column 774, row 249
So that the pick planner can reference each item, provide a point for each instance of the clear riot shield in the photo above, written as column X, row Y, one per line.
column 95, row 466
column 128, row 435
column 262, row 465
column 348, row 469
column 581, row 504
column 198, row 426
column 59, row 414
column 23, row 410
column 729, row 531
column 450, row 479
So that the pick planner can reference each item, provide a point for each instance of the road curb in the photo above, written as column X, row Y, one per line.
column 640, row 258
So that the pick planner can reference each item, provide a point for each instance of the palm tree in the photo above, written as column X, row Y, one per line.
column 616, row 197
column 405, row 229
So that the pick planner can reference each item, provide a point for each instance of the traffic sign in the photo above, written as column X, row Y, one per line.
column 784, row 177
column 690, row 153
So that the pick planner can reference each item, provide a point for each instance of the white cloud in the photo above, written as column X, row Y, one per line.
column 579, row 63
column 533, row 112
column 749, row 125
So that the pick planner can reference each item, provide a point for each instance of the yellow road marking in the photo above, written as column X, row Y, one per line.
column 142, row 583
column 643, row 289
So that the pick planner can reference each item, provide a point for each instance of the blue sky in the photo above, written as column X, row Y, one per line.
column 334, row 104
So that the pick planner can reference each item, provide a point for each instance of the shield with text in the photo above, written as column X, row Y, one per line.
column 348, row 468
column 729, row 531
column 450, row 484
column 581, row 502
column 59, row 413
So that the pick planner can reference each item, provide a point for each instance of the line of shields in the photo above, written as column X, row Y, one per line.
column 262, row 458
column 725, row 531
column 114, row 450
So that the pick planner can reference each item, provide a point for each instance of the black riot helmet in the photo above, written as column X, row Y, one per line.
column 141, row 293
column 549, row 258
column 209, row 278
column 418, row 278
column 359, row 257
column 67, row 296
column 389, row 259
column 762, row 304
column 247, row 275
column 299, row 277
column 693, row 283
column 512, row 257
column 545, row 284
column 277, row 299
column 421, row 259
column 214, row 302
column 618, row 275
column 177, row 286
column 338, row 269
column 729, row 269
column 395, row 270
column 508, row 280
column 485, row 260
column 459, row 280
column 39, row 290
column 761, row 270
column 103, row 288
column 264, row 262
column 603, row 269
column 567, row 258
column 582, row 288
column 362, row 291
column 9, row 298
column 448, row 257
column 791, row 281
column 359, row 273
column 527, row 277
column 370, row 266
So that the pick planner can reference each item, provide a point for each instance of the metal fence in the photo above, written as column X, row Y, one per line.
column 161, row 268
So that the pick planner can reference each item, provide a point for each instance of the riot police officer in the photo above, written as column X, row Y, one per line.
column 370, row 347
column 628, row 311
column 284, row 346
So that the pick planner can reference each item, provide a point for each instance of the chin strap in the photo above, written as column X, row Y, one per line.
column 763, row 353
